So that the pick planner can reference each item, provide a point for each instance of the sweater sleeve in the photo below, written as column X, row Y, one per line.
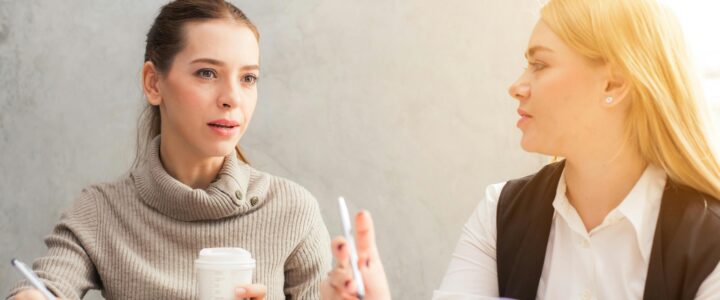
column 67, row 269
column 309, row 263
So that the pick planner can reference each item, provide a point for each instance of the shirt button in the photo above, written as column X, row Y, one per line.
column 586, row 295
column 585, row 244
column 254, row 200
column 239, row 195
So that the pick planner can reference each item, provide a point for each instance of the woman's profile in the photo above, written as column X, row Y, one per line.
column 631, row 209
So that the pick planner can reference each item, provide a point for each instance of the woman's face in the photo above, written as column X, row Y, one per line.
column 562, row 97
column 208, row 95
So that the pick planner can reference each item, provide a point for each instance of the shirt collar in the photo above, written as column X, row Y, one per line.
column 640, row 207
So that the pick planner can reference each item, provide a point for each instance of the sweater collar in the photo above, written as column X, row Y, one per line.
column 226, row 196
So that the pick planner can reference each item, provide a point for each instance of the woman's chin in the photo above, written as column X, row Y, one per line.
column 526, row 144
column 531, row 145
column 215, row 149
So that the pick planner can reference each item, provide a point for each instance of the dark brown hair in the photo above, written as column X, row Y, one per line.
column 165, row 39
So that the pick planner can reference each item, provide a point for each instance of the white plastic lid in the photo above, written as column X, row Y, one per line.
column 225, row 256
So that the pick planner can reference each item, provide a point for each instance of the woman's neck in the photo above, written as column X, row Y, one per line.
column 597, row 186
column 183, row 164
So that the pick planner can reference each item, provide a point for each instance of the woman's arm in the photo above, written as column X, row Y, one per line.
column 67, row 269
column 309, row 263
column 473, row 266
column 472, row 273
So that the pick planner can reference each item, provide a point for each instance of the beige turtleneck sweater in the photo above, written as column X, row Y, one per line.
column 138, row 237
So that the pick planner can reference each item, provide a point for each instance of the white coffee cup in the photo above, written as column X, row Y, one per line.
column 221, row 270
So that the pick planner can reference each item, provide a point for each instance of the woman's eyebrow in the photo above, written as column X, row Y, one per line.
column 534, row 49
column 250, row 67
column 211, row 61
column 219, row 63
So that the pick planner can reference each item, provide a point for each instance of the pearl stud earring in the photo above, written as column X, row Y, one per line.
column 609, row 100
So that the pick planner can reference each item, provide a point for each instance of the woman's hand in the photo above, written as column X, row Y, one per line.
column 30, row 294
column 340, row 284
column 254, row 291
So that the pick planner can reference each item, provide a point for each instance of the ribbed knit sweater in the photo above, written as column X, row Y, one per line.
column 138, row 237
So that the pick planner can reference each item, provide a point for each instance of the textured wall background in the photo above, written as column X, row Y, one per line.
column 400, row 106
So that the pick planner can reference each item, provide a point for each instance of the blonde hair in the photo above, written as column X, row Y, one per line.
column 643, row 40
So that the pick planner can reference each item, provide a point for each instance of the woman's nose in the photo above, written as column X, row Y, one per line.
column 519, row 90
column 231, row 97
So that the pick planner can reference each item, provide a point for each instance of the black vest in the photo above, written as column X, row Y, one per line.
column 685, row 249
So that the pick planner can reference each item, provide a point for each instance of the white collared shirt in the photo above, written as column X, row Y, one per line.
column 609, row 262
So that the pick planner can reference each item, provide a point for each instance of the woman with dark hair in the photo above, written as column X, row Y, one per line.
column 190, row 187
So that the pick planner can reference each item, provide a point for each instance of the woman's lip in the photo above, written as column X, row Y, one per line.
column 224, row 122
column 224, row 131
column 524, row 117
column 523, row 120
column 523, row 113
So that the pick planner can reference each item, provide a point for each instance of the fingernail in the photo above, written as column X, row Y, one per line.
column 241, row 291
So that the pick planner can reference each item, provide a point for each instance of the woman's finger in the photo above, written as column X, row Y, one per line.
column 329, row 292
column 340, row 252
column 252, row 291
column 365, row 234
column 340, row 279
column 30, row 294
column 363, row 261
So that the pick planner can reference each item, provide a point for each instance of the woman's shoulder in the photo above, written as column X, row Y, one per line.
column 680, row 196
column 486, row 209
column 492, row 193
column 280, row 189
column 94, row 196
column 286, row 201
column 83, row 211
column 120, row 187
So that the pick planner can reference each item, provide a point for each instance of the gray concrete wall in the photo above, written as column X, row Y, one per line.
column 400, row 106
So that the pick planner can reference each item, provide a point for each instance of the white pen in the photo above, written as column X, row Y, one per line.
column 347, row 231
column 34, row 280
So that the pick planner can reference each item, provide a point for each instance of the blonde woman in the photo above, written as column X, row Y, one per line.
column 631, row 211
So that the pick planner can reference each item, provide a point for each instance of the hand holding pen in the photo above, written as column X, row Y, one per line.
column 340, row 283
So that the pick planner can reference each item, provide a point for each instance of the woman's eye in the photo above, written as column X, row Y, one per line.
column 536, row 66
column 206, row 73
column 249, row 79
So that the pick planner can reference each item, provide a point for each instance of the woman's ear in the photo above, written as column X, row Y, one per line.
column 617, row 87
column 151, row 83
